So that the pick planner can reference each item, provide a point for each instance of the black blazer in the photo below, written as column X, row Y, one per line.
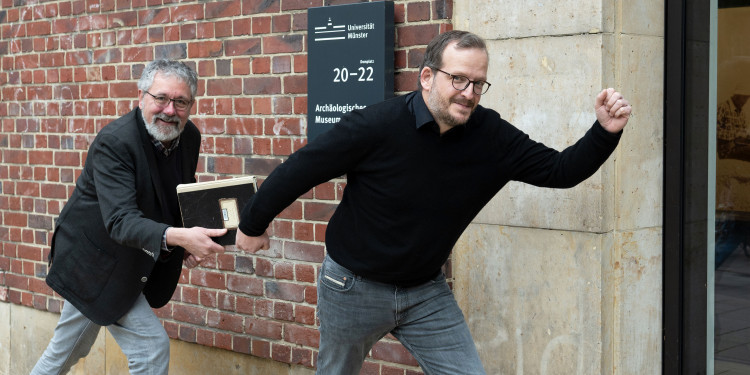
column 110, row 231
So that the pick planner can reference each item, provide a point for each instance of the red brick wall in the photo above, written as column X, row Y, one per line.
column 67, row 68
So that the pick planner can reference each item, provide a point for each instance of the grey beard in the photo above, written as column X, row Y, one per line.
column 163, row 134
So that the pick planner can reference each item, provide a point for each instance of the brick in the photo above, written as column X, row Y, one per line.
column 190, row 314
column 207, row 298
column 223, row 29
column 174, row 51
column 138, row 54
column 264, row 308
column 393, row 352
column 302, row 356
column 204, row 337
column 259, row 6
column 263, row 267
column 261, row 65
column 241, row 344
column 305, row 273
column 419, row 11
column 261, row 86
column 187, row 334
column 154, row 16
column 285, row 291
column 442, row 9
column 283, row 311
column 226, row 301
column 416, row 34
column 261, row 348
column 189, row 294
column 283, row 44
column 123, row 19
column 316, row 211
column 209, row 279
column 223, row 340
column 261, row 25
column 91, row 91
column 263, row 328
column 304, row 231
column 282, row 146
column 281, row 353
column 224, row 321
column 226, row 86
column 222, row 9
column 94, row 22
column 245, row 46
column 304, row 314
column 205, row 30
column 224, row 165
column 284, row 271
column 295, row 84
column 187, row 13
column 262, row 106
column 71, row 159
column 301, row 335
column 245, row 284
column 39, row 28
column 292, row 212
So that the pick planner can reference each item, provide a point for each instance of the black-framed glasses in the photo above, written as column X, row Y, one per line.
column 460, row 83
column 163, row 101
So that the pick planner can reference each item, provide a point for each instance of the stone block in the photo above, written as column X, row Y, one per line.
column 546, row 87
column 532, row 298
column 30, row 332
column 504, row 19
column 632, row 302
column 643, row 17
column 639, row 167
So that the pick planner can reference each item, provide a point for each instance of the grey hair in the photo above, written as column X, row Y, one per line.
column 169, row 68
column 433, row 55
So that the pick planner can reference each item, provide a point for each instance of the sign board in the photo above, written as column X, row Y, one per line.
column 349, row 61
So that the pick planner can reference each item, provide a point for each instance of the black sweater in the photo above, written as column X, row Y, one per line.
column 411, row 192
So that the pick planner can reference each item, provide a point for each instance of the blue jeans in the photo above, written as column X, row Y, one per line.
column 356, row 312
column 139, row 334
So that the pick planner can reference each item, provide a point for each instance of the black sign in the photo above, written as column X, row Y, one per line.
column 349, row 62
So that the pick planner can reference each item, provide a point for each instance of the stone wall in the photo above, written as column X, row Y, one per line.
column 569, row 281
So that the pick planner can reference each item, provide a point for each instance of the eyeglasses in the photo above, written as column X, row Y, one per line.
column 163, row 101
column 460, row 83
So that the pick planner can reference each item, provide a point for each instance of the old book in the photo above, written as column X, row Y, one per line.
column 216, row 204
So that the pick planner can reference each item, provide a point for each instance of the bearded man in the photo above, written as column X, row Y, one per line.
column 118, row 246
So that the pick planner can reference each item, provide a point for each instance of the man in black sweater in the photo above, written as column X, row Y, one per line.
column 419, row 168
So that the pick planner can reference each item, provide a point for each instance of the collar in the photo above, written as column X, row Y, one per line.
column 166, row 151
column 419, row 109
column 424, row 118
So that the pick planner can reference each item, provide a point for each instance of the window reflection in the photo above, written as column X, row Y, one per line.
column 732, row 277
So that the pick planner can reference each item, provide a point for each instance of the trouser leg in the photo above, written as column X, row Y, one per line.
column 354, row 315
column 72, row 340
column 432, row 327
column 142, row 338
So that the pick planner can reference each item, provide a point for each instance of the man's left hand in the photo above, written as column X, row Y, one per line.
column 612, row 110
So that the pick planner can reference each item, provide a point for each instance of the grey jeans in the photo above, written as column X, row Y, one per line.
column 139, row 334
column 356, row 312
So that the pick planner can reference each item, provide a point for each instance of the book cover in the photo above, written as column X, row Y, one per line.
column 216, row 204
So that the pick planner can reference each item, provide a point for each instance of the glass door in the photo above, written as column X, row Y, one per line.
column 732, row 216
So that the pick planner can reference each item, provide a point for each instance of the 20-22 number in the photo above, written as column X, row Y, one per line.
column 364, row 74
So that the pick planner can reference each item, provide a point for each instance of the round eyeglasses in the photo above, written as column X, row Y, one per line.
column 163, row 101
column 460, row 83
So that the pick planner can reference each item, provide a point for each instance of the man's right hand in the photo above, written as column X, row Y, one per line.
column 250, row 243
column 196, row 240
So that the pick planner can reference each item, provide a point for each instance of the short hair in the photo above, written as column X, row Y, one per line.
column 433, row 56
column 168, row 68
